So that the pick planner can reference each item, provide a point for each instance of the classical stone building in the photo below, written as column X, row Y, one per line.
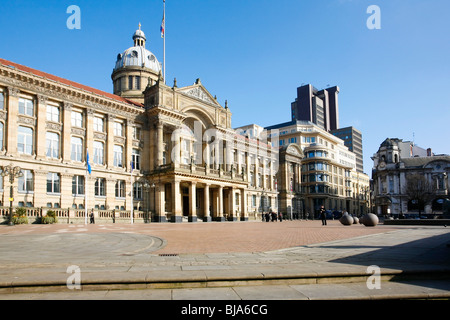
column 327, row 175
column 166, row 151
column 409, row 180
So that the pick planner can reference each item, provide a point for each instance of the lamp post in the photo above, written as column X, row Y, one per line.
column 147, row 187
column 12, row 172
column 147, row 190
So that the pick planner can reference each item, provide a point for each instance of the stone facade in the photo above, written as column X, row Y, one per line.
column 172, row 148
column 327, row 175
column 408, row 180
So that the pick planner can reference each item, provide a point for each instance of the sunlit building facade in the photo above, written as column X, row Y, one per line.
column 156, row 152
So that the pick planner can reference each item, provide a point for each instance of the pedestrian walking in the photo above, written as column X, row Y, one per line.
column 323, row 216
column 274, row 217
column 280, row 216
column 91, row 216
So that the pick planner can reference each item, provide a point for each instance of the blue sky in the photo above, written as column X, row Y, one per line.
column 254, row 53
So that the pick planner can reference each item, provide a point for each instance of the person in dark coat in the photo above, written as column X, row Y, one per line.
column 274, row 216
column 323, row 216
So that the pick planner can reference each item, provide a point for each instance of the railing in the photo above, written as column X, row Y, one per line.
column 68, row 215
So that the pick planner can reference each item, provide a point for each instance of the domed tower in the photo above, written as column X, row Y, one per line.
column 134, row 69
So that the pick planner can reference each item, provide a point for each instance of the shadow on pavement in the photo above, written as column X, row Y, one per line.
column 424, row 260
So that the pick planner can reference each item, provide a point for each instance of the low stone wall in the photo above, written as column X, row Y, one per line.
column 418, row 222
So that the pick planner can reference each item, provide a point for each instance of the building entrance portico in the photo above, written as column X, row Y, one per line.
column 194, row 201
column 202, row 167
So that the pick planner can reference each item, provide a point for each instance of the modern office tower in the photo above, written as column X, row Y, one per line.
column 318, row 106
column 353, row 140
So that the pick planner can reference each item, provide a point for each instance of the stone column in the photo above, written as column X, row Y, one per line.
column 40, row 194
column 207, row 158
column 11, row 126
column 244, row 213
column 192, row 202
column 160, row 203
column 41, row 116
column 109, row 154
column 89, row 143
column 128, row 150
column 220, row 204
column 207, row 215
column 159, row 143
column 263, row 175
column 232, row 205
column 66, row 134
column 176, row 202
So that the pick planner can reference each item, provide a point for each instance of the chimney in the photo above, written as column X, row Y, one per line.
column 429, row 154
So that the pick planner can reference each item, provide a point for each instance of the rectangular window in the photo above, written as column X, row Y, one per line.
column 120, row 189
column 25, row 140
column 78, row 185
column 136, row 159
column 136, row 133
column 99, row 152
column 77, row 149
column 2, row 101
column 100, row 187
column 77, row 119
column 52, row 113
column 137, row 190
column 391, row 185
column 26, row 107
column 52, row 145
column 26, row 181
column 53, row 183
column 118, row 129
column 130, row 83
column 118, row 156
column 138, row 83
column 98, row 124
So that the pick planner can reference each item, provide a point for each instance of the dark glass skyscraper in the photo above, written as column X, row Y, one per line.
column 318, row 106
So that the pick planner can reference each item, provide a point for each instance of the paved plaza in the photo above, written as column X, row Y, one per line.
column 227, row 260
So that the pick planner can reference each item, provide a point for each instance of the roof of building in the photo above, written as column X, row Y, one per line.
column 423, row 161
column 67, row 82
column 138, row 55
column 290, row 123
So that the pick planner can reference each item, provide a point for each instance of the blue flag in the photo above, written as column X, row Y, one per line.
column 132, row 166
column 87, row 162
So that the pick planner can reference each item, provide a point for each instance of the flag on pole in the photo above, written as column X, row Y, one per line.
column 89, row 169
column 132, row 166
column 163, row 23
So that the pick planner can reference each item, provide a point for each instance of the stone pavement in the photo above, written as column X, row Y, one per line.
column 226, row 261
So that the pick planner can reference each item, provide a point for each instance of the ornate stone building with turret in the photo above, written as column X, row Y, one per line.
column 156, row 152
column 409, row 180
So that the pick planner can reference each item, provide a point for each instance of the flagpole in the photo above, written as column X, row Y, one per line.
column 164, row 61
column 85, row 186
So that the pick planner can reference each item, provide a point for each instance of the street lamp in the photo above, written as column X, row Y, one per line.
column 12, row 172
column 147, row 187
